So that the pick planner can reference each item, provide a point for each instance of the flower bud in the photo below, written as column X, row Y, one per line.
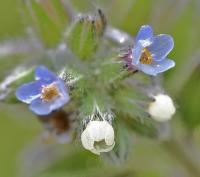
column 162, row 108
column 98, row 137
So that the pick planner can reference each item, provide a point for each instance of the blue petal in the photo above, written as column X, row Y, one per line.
column 136, row 53
column 161, row 66
column 42, row 73
column 161, row 46
column 63, row 90
column 144, row 33
column 28, row 92
column 63, row 99
column 39, row 107
column 148, row 69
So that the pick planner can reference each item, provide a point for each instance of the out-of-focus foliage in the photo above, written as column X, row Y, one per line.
column 84, row 35
column 148, row 159
column 49, row 19
column 190, row 94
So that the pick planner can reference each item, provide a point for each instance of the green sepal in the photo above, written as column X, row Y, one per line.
column 85, row 33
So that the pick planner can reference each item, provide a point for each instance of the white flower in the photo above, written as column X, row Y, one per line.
column 98, row 137
column 162, row 109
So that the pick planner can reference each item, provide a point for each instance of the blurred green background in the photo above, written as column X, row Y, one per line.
column 19, row 128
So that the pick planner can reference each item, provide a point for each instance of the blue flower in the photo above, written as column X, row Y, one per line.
column 44, row 95
column 149, row 53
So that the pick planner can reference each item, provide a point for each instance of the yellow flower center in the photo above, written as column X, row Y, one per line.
column 146, row 57
column 49, row 92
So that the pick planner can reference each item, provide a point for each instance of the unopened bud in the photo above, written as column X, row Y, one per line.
column 162, row 109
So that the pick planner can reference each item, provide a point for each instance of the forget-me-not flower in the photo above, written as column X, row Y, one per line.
column 149, row 53
column 44, row 95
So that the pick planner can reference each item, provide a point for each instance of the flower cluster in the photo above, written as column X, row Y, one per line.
column 48, row 93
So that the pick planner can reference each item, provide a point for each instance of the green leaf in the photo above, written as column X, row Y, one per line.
column 84, row 35
column 49, row 19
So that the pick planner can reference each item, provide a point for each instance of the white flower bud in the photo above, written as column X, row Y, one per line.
column 98, row 137
column 162, row 109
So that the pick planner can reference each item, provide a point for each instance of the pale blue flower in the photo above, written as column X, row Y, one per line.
column 149, row 53
column 44, row 95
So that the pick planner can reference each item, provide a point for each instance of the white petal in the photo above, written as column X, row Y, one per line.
column 105, row 149
column 96, row 130
column 87, row 140
column 95, row 151
column 109, row 148
column 109, row 134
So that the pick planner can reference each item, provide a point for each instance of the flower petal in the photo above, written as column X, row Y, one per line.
column 63, row 89
column 28, row 92
column 42, row 73
column 63, row 98
column 136, row 53
column 96, row 130
column 87, row 140
column 144, row 33
column 39, row 107
column 109, row 134
column 161, row 46
column 103, row 149
column 161, row 66
column 148, row 69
